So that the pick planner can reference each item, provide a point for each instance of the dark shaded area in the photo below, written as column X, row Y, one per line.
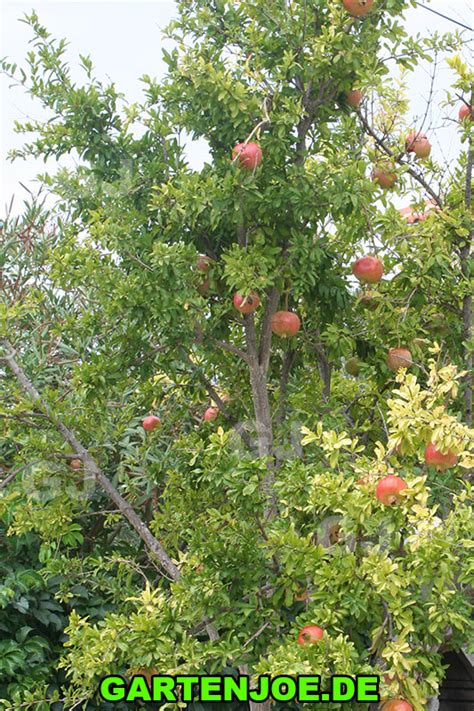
column 457, row 690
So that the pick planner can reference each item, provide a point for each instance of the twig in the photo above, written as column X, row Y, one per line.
column 257, row 634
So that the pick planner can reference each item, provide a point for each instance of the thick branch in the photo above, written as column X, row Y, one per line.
column 91, row 466
column 232, row 349
column 266, row 332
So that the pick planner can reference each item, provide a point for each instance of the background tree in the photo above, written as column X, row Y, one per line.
column 208, row 543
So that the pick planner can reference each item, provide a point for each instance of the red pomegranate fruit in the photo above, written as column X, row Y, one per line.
column 436, row 458
column 465, row 112
column 418, row 144
column 354, row 98
column 210, row 414
column 368, row 270
column 285, row 324
column 397, row 705
column 384, row 176
column 246, row 304
column 310, row 634
column 389, row 488
column 249, row 155
column 149, row 423
column 358, row 8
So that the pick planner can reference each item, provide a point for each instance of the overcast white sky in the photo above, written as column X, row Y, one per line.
column 124, row 41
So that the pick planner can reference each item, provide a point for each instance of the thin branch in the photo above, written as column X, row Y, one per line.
column 257, row 634
column 10, row 477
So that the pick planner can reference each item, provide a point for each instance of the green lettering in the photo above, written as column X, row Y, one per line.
column 367, row 688
column 112, row 688
column 289, row 691
column 343, row 688
column 211, row 688
column 163, row 689
column 308, row 688
column 262, row 691
column 187, row 683
column 236, row 689
column 138, row 689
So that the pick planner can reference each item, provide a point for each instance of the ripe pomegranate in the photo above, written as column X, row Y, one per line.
column 149, row 423
column 465, row 112
column 285, row 323
column 203, row 263
column 439, row 460
column 397, row 705
column 353, row 366
column 408, row 213
column 75, row 464
column 399, row 358
column 357, row 8
column 310, row 634
column 411, row 216
column 246, row 304
column 418, row 144
column 384, row 176
column 250, row 155
column 354, row 97
column 389, row 488
column 211, row 414
column 368, row 270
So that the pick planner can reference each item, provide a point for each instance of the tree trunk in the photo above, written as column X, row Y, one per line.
column 259, row 359
column 265, row 706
